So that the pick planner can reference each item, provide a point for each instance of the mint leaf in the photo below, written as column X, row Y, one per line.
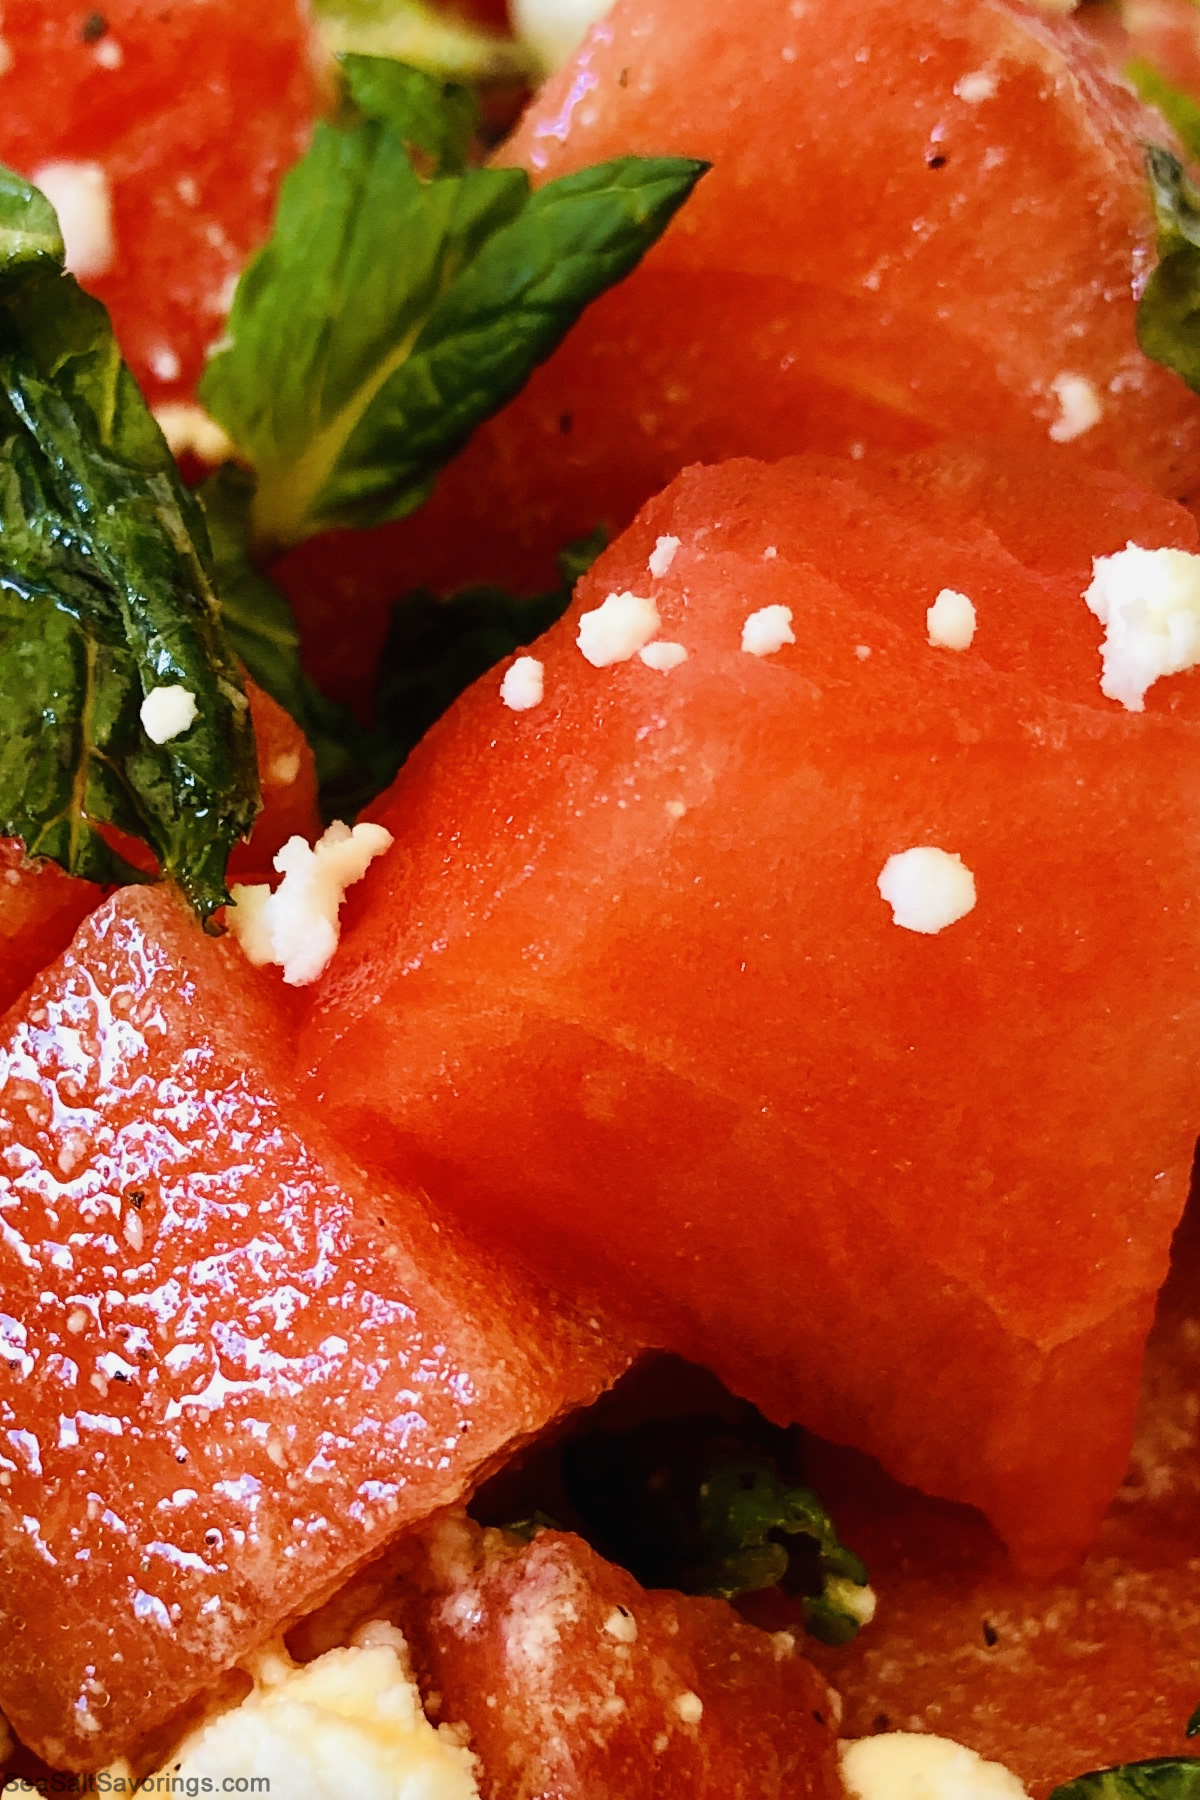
column 106, row 593
column 1168, row 317
column 1192, row 1728
column 1161, row 1778
column 695, row 1505
column 1179, row 109
column 392, row 310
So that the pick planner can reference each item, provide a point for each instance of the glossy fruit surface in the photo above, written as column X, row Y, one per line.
column 193, row 111
column 233, row 1364
column 628, row 990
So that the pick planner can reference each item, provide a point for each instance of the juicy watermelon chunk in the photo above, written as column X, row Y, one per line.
column 234, row 1364
column 193, row 112
column 572, row 1679
column 923, row 218
column 627, row 989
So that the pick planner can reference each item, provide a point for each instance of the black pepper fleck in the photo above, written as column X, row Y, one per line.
column 94, row 27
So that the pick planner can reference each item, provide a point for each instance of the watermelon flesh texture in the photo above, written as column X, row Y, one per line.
column 569, row 1676
column 41, row 906
column 194, row 113
column 234, row 1364
column 873, row 263
column 627, row 992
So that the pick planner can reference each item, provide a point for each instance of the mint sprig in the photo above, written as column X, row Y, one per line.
column 1160, row 1778
column 403, row 297
column 106, row 592
column 1168, row 316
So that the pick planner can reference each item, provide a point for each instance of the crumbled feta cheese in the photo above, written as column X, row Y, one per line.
column 347, row 1725
column 927, row 889
column 770, row 553
column 524, row 684
column 79, row 194
column 662, row 556
column 979, row 85
column 188, row 427
column 165, row 364
column 663, row 656
column 167, row 712
column 296, row 927
column 1149, row 603
column 108, row 53
column 768, row 630
column 690, row 1707
column 554, row 29
column 617, row 629
column 950, row 621
column 1079, row 407
column 852, row 1597
column 862, row 651
column 910, row 1765
column 621, row 1625
column 283, row 769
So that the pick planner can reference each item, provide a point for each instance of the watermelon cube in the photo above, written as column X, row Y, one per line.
column 652, row 985
column 233, row 1363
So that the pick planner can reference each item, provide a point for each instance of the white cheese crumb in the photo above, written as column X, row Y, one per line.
column 1079, row 407
column 1149, row 603
column 283, row 769
column 662, row 556
column 690, row 1707
column 79, row 194
column 770, row 553
column 167, row 712
column 617, row 629
column 909, row 1765
column 188, row 427
column 768, row 630
column 554, row 29
column 165, row 364
column 927, row 889
column 349, row 1724
column 862, row 651
column 108, row 53
column 524, row 684
column 979, row 85
column 950, row 621
column 621, row 1625
column 296, row 927
column 852, row 1597
column 663, row 656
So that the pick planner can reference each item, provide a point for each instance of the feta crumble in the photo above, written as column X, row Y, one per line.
column 524, row 684
column 979, row 85
column 927, row 889
column 617, row 629
column 296, row 927
column 554, row 29
column 1149, row 603
column 950, row 621
column 167, row 712
column 768, row 630
column 910, row 1765
column 188, row 427
column 689, row 1707
column 347, row 1725
column 79, row 194
column 663, row 656
column 621, row 1625
column 1079, row 407
column 662, row 556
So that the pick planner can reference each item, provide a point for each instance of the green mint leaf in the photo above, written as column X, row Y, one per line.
column 106, row 593
column 439, row 120
column 1162, row 1778
column 415, row 32
column 1192, row 1728
column 1179, row 109
column 695, row 1505
column 391, row 311
column 1168, row 317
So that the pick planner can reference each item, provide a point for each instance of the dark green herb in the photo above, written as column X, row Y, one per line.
column 106, row 593
column 404, row 297
column 1162, row 1778
column 1168, row 319
column 1192, row 1728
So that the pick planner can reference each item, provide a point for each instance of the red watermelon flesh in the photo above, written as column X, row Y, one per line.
column 194, row 112
column 41, row 906
column 234, row 1365
column 572, row 1679
column 628, row 992
column 886, row 252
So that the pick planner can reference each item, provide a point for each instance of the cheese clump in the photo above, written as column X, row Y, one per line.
column 768, row 630
column 617, row 629
column 1079, row 407
column 950, row 621
column 297, row 926
column 554, row 29
column 346, row 1726
column 910, row 1765
column 927, row 889
column 167, row 712
column 524, row 684
column 1149, row 603
column 79, row 194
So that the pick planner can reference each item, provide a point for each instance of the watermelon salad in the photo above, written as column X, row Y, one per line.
column 599, row 1032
